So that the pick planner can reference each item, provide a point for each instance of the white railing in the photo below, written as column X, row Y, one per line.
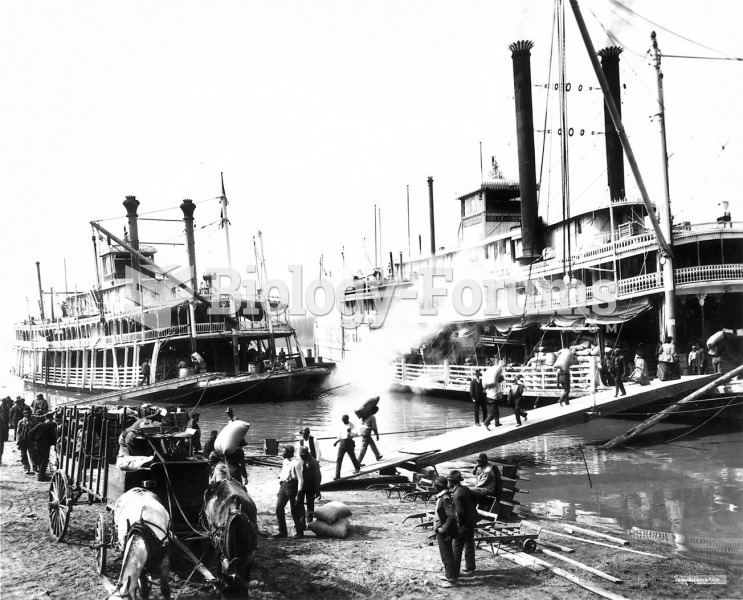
column 92, row 377
column 641, row 283
column 708, row 273
column 539, row 380
column 680, row 231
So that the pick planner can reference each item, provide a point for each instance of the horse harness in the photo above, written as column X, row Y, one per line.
column 156, row 547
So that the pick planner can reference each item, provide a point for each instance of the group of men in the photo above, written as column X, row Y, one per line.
column 488, row 400
column 299, row 484
column 35, row 432
column 456, row 517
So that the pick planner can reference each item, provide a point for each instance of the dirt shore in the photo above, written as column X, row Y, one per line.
column 382, row 558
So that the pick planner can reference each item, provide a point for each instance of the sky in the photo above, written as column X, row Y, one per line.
column 316, row 112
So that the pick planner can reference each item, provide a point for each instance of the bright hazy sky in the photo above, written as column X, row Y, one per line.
column 315, row 111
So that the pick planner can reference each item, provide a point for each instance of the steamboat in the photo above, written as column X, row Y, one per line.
column 143, row 333
column 616, row 273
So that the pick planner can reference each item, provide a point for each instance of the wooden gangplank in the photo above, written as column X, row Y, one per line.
column 471, row 440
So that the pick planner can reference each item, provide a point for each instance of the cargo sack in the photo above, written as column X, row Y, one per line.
column 337, row 530
column 332, row 512
column 228, row 440
column 367, row 408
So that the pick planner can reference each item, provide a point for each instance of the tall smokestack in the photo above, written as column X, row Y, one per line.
column 614, row 154
column 430, row 207
column 41, row 290
column 131, row 203
column 188, row 208
column 525, row 138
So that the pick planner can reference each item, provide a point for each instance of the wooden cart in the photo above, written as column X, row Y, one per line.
column 87, row 448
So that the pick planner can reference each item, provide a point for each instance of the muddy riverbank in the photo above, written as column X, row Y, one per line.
column 382, row 558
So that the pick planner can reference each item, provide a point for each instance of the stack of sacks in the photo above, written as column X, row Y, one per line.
column 331, row 520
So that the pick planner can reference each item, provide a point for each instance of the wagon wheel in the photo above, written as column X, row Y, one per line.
column 59, row 505
column 101, row 542
column 529, row 546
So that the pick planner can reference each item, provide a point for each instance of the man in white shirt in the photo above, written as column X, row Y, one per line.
column 290, row 482
column 346, row 445
column 305, row 439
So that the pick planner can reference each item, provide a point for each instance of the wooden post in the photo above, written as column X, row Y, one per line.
column 648, row 423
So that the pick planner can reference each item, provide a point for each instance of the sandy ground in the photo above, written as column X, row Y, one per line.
column 382, row 558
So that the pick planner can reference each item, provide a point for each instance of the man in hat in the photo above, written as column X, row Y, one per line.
column 305, row 439
column 369, row 427
column 445, row 528
column 44, row 434
column 291, row 481
column 16, row 414
column 477, row 393
column 40, row 405
column 25, row 443
column 346, row 445
column 209, row 444
column 193, row 423
column 515, row 394
column 230, row 415
column 145, row 372
column 488, row 481
column 467, row 517
column 312, row 478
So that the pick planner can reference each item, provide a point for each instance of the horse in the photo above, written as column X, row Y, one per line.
column 143, row 529
column 231, row 517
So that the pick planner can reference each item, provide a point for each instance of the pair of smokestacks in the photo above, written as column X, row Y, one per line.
column 530, row 234
column 188, row 207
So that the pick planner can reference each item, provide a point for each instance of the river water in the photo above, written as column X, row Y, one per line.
column 680, row 484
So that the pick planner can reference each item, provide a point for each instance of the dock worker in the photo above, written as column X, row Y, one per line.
column 445, row 528
column 493, row 396
column 134, row 450
column 209, row 444
column 198, row 363
column 477, row 393
column 44, row 436
column 467, row 517
column 312, row 479
column 515, row 395
column 145, row 371
column 563, row 381
column 16, row 414
column 24, row 442
column 618, row 367
column 309, row 441
column 369, row 427
column 40, row 405
column 346, row 445
column 291, row 481
column 488, row 483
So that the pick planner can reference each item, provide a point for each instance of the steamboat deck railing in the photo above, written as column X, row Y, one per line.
column 539, row 380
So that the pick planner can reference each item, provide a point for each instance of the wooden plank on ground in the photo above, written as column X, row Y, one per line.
column 571, row 528
column 581, row 565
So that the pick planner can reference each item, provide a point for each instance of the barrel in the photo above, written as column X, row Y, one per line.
column 185, row 372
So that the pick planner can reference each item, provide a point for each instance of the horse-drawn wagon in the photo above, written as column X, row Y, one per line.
column 156, row 500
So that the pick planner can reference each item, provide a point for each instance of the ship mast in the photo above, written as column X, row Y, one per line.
column 225, row 222
column 664, row 247
column 667, row 262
